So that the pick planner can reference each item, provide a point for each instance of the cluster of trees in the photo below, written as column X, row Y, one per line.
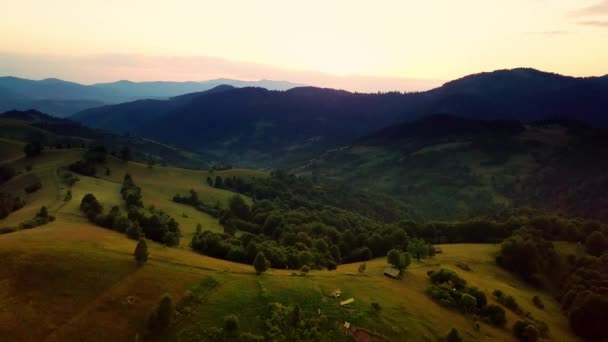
column 32, row 149
column 282, row 323
column 9, row 203
column 527, row 328
column 289, row 213
column 131, row 193
column 450, row 290
column 88, row 165
column 42, row 217
column 578, row 283
column 193, row 200
column 152, row 223
column 584, row 296
column 529, row 255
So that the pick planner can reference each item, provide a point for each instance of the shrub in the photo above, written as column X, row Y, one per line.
column 525, row 331
column 448, row 276
column 538, row 302
column 494, row 314
column 362, row 268
column 467, row 303
column 480, row 297
column 442, row 294
column 304, row 270
column 68, row 196
column 41, row 218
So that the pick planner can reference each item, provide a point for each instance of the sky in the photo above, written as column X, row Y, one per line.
column 356, row 45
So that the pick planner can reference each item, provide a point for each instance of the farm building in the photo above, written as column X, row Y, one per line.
column 392, row 272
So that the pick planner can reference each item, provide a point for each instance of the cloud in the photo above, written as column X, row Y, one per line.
column 596, row 23
column 112, row 67
column 599, row 8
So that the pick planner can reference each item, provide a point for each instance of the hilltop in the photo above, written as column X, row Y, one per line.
column 255, row 127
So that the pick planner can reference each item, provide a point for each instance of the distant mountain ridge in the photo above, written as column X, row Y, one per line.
column 255, row 127
column 63, row 98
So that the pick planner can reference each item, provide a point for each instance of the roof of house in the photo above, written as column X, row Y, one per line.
column 391, row 271
column 348, row 301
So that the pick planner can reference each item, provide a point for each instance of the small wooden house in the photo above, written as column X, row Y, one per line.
column 336, row 293
column 392, row 272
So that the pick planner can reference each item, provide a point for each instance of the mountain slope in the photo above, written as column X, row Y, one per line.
column 449, row 167
column 70, row 280
column 62, row 133
column 260, row 128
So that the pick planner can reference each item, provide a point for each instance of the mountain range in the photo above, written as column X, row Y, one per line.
column 62, row 98
column 256, row 127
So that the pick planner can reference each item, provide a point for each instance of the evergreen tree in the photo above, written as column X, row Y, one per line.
column 141, row 252
column 453, row 336
column 260, row 263
column 161, row 317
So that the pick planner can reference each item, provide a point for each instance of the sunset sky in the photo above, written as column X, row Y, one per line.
column 356, row 45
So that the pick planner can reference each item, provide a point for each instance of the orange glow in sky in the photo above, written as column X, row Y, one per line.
column 315, row 41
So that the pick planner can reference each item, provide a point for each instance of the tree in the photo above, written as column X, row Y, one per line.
column 219, row 182
column 418, row 248
column 231, row 325
column 453, row 336
column 32, row 149
column 468, row 302
column 260, row 263
column 596, row 243
column 239, row 208
column 393, row 257
column 209, row 181
column 161, row 317
column 362, row 268
column 398, row 259
column 141, row 252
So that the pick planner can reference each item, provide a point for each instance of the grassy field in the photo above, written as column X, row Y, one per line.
column 70, row 280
